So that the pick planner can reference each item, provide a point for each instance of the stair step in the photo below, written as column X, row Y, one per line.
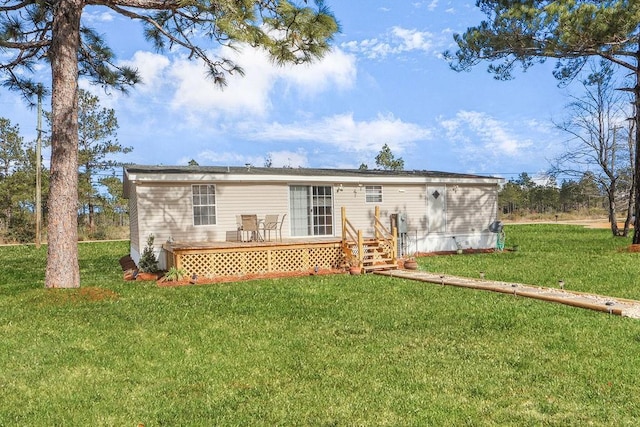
column 377, row 259
column 374, row 253
column 369, row 242
column 380, row 267
column 372, row 261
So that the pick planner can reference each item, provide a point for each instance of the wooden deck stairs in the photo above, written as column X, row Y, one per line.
column 374, row 253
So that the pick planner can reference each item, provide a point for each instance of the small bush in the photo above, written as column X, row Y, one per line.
column 148, row 262
column 175, row 274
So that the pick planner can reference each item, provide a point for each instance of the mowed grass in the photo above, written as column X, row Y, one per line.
column 587, row 260
column 322, row 350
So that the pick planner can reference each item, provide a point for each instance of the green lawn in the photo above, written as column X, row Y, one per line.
column 587, row 260
column 324, row 350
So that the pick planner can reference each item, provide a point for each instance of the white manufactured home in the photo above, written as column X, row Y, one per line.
column 433, row 211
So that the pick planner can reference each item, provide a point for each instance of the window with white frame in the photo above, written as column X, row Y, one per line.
column 373, row 193
column 204, row 204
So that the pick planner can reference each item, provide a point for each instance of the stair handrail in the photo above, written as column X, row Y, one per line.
column 383, row 233
column 350, row 236
column 349, row 232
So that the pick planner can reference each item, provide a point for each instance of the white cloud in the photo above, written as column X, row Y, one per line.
column 146, row 96
column 185, row 83
column 431, row 6
column 151, row 67
column 413, row 39
column 284, row 158
column 98, row 17
column 346, row 134
column 541, row 126
column 297, row 159
column 481, row 137
column 196, row 94
column 397, row 41
column 227, row 158
column 336, row 71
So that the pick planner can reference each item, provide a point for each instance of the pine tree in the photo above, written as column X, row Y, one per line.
column 97, row 144
column 12, row 157
column 521, row 33
column 387, row 161
column 52, row 33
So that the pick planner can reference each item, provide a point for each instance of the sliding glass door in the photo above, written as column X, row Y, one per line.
column 311, row 210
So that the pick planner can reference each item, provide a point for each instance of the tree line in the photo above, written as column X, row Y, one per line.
column 524, row 196
column 101, row 207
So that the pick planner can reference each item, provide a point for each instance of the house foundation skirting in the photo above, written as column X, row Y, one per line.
column 447, row 242
column 212, row 262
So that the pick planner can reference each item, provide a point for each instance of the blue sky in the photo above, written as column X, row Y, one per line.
column 385, row 81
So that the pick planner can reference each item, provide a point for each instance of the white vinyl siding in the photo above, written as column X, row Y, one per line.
column 165, row 210
column 470, row 209
column 134, row 233
column 373, row 193
column 408, row 199
column 204, row 204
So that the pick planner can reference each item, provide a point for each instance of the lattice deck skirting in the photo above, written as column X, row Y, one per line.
column 240, row 260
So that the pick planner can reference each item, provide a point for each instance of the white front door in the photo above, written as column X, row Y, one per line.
column 436, row 209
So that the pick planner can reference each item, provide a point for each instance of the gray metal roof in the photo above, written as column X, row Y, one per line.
column 253, row 170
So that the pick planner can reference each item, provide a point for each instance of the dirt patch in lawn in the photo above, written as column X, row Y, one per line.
column 229, row 279
column 88, row 294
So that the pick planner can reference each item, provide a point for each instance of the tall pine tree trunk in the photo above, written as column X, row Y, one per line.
column 62, row 233
column 90, row 204
column 92, row 220
column 7, row 200
column 636, row 170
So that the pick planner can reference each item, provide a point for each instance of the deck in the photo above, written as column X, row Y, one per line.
column 234, row 259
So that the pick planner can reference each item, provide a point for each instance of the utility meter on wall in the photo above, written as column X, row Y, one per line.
column 402, row 222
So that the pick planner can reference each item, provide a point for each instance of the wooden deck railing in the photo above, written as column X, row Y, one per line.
column 379, row 251
column 383, row 233
column 351, row 236
column 349, row 232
